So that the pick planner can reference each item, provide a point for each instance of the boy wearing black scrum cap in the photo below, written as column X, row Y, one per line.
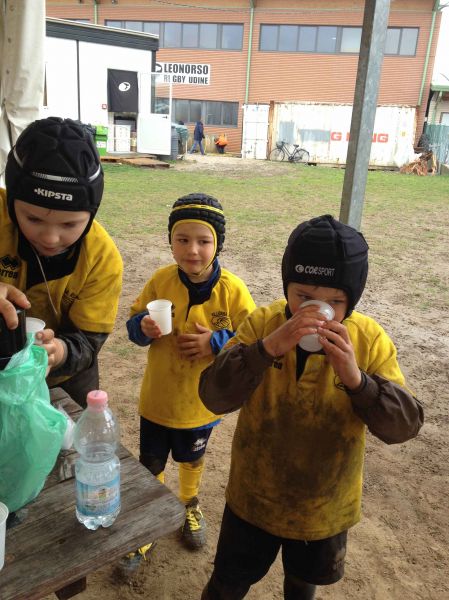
column 208, row 304
column 56, row 260
column 297, row 457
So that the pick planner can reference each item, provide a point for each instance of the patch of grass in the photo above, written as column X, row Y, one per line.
column 404, row 217
column 124, row 349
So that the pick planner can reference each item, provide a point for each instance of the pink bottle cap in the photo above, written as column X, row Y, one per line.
column 97, row 400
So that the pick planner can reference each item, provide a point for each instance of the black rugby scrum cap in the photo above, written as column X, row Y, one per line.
column 55, row 164
column 325, row 252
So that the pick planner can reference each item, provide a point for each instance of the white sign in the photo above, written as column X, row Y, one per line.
column 185, row 73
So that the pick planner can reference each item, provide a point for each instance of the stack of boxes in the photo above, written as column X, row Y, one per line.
column 122, row 138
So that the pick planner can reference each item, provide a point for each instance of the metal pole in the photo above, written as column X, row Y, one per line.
column 375, row 21
column 426, row 61
column 250, row 47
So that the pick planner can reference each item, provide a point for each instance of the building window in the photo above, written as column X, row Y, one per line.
column 172, row 35
column 288, row 38
column 195, row 107
column 401, row 41
column 231, row 37
column 190, row 35
column 444, row 118
column 350, row 39
column 149, row 27
column 326, row 39
column 133, row 25
column 210, row 112
column 269, row 37
column 208, row 36
column 307, row 39
column 115, row 24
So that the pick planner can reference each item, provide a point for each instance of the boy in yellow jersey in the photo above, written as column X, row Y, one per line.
column 55, row 259
column 208, row 304
column 296, row 472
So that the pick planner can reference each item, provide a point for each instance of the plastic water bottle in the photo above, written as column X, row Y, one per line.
column 97, row 470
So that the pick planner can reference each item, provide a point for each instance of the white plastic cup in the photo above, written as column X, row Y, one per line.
column 3, row 516
column 311, row 342
column 34, row 325
column 67, row 440
column 160, row 312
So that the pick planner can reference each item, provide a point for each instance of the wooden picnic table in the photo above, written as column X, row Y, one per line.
column 50, row 551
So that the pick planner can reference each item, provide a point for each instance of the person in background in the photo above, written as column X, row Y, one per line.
column 297, row 458
column 57, row 260
column 209, row 303
column 221, row 142
column 198, row 137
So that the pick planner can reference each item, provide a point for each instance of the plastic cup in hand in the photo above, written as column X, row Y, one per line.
column 33, row 326
column 311, row 342
column 160, row 312
column 3, row 516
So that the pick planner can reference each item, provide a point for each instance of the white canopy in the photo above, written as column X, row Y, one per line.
column 22, row 35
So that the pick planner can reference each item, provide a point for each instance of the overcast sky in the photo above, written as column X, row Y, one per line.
column 442, row 55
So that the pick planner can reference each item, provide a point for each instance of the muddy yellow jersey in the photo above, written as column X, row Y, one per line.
column 298, row 448
column 87, row 297
column 169, row 393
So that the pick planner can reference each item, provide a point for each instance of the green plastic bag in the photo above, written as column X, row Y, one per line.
column 31, row 429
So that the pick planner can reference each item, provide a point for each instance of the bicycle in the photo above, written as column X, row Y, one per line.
column 282, row 152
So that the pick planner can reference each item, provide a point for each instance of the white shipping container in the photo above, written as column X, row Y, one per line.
column 323, row 130
column 255, row 131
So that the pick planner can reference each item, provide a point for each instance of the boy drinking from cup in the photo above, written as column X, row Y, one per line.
column 297, row 456
column 208, row 304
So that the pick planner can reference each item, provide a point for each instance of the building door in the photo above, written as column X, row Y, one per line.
column 255, row 131
column 154, row 117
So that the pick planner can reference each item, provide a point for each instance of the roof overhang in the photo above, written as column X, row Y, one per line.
column 99, row 34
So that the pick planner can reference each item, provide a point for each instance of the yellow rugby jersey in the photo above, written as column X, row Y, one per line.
column 88, row 296
column 169, row 392
column 303, row 441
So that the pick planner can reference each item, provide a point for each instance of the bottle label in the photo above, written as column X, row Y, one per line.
column 97, row 500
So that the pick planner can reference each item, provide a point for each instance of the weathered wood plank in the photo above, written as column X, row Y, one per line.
column 50, row 550
column 65, row 465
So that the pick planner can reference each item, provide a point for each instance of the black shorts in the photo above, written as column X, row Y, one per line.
column 245, row 554
column 185, row 445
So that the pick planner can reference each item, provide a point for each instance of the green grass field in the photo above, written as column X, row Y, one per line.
column 405, row 217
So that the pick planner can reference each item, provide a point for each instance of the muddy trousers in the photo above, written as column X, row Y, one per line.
column 245, row 554
column 294, row 589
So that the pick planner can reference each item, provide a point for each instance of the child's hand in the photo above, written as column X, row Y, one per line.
column 338, row 347
column 150, row 328
column 193, row 346
column 305, row 321
column 54, row 347
column 10, row 296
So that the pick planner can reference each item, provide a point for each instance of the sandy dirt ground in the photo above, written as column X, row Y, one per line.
column 399, row 551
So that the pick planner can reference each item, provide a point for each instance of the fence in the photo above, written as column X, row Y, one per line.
column 439, row 142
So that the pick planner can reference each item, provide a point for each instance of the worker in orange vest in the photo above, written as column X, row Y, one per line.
column 221, row 142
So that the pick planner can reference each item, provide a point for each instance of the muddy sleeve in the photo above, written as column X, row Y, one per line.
column 389, row 410
column 82, row 348
column 233, row 376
